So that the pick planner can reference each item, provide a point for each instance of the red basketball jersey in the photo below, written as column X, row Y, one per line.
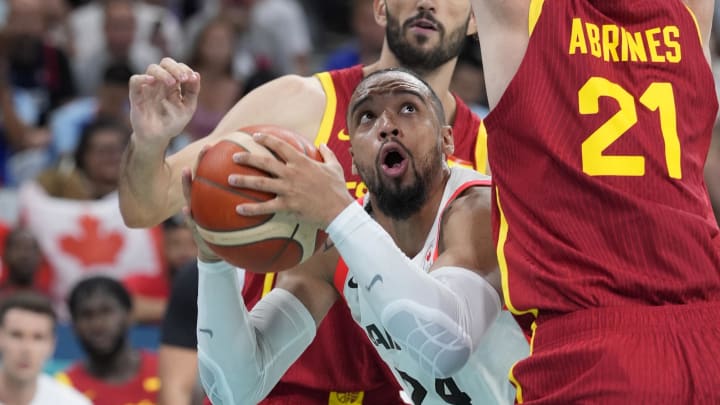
column 597, row 152
column 141, row 390
column 341, row 366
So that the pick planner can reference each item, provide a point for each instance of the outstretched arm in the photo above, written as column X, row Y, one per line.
column 162, row 104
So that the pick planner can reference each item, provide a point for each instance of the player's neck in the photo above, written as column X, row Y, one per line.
column 117, row 369
column 439, row 79
column 410, row 234
column 14, row 391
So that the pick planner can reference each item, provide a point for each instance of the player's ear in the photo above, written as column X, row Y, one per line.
column 448, row 143
column 380, row 12
column 472, row 25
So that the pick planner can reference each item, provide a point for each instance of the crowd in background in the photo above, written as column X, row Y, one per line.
column 64, row 123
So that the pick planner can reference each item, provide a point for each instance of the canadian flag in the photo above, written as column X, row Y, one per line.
column 81, row 238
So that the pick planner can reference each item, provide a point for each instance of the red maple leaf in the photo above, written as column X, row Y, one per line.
column 93, row 247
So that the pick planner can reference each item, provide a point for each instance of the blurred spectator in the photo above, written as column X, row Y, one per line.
column 36, row 67
column 367, row 42
column 108, row 31
column 212, row 57
column 177, row 357
column 22, row 261
column 150, row 292
column 279, row 30
column 113, row 373
column 91, row 238
column 468, row 80
column 58, row 26
column 275, row 31
column 35, row 78
column 27, row 340
column 110, row 102
column 96, row 167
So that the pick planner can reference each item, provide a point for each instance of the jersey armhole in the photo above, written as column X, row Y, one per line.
column 534, row 14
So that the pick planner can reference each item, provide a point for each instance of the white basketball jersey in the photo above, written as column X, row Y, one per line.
column 484, row 379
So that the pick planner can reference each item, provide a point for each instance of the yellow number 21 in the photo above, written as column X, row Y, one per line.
column 658, row 97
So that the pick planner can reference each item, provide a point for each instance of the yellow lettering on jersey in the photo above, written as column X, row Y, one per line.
column 346, row 398
column 636, row 46
column 670, row 36
column 577, row 37
column 343, row 136
column 593, row 35
column 653, row 44
column 611, row 41
column 361, row 190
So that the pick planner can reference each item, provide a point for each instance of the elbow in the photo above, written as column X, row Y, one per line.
column 451, row 360
column 136, row 218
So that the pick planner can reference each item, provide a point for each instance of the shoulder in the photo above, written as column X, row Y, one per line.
column 475, row 199
column 290, row 101
column 50, row 390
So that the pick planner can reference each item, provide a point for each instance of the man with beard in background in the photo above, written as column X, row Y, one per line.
column 421, row 35
column 114, row 373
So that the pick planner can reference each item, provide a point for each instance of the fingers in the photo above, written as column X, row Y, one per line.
column 179, row 71
column 263, row 208
column 281, row 148
column 138, row 82
column 259, row 183
column 161, row 74
column 265, row 163
column 328, row 155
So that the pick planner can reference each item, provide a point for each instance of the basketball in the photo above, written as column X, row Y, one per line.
column 261, row 244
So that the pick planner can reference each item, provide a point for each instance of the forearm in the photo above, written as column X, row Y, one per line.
column 456, row 304
column 145, row 186
column 243, row 355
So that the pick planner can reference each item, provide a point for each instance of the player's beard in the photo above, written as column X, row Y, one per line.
column 419, row 60
column 397, row 201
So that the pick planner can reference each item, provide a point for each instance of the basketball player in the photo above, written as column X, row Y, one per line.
column 607, row 243
column 422, row 35
column 418, row 268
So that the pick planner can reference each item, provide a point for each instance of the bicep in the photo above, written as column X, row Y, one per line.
column 466, row 235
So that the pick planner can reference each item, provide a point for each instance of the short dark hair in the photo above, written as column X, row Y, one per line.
column 89, row 286
column 28, row 301
column 437, row 105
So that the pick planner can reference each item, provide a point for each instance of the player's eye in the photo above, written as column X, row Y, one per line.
column 408, row 108
column 365, row 117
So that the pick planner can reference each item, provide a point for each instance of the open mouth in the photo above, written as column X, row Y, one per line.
column 393, row 160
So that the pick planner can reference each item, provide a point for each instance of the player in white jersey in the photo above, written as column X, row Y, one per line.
column 423, row 278
column 483, row 377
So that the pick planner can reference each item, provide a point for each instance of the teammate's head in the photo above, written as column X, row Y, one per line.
column 100, row 308
column 27, row 336
column 399, row 139
column 425, row 34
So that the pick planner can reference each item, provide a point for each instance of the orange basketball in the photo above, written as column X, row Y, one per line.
column 261, row 244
